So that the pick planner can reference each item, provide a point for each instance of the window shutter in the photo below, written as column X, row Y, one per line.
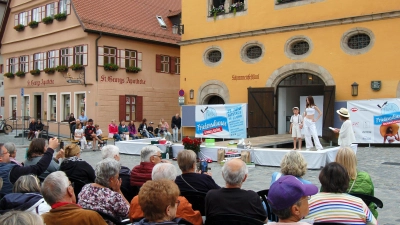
column 85, row 55
column 55, row 8
column 57, row 60
column 26, row 64
column 139, row 108
column 68, row 7
column 43, row 58
column 139, row 60
column 158, row 63
column 7, row 66
column 39, row 14
column 30, row 62
column 43, row 12
column 121, row 58
column 29, row 16
column 70, row 56
column 122, row 102
column 172, row 61
column 16, row 22
column 100, row 57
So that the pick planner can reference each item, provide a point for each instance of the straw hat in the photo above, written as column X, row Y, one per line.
column 343, row 112
column 295, row 108
column 383, row 128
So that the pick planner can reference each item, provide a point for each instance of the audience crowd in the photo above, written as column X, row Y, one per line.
column 44, row 191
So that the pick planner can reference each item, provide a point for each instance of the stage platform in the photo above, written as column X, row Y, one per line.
column 260, row 156
column 264, row 141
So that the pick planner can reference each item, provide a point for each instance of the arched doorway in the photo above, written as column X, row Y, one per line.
column 215, row 100
column 210, row 89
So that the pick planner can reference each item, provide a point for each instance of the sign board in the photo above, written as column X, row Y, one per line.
column 181, row 92
column 375, row 121
column 74, row 81
column 22, row 92
column 221, row 121
column 181, row 100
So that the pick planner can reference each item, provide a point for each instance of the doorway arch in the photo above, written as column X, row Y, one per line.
column 210, row 89
column 215, row 100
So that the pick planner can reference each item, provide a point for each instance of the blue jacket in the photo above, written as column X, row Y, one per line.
column 18, row 201
column 5, row 169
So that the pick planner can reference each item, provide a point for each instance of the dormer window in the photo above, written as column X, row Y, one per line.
column 161, row 22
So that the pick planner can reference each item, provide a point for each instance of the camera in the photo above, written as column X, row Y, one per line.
column 203, row 166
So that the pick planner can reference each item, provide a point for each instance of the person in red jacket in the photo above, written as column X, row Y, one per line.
column 113, row 131
column 150, row 156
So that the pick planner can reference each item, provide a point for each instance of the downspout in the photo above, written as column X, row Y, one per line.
column 97, row 57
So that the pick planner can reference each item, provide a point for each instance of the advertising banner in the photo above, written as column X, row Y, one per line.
column 221, row 121
column 375, row 121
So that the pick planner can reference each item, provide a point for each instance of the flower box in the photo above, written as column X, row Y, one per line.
column 76, row 67
column 62, row 68
column 50, row 70
column 60, row 16
column 33, row 24
column 47, row 20
column 111, row 67
column 35, row 72
column 9, row 75
column 19, row 27
column 20, row 73
column 192, row 144
column 217, row 11
column 236, row 7
column 285, row 1
column 133, row 69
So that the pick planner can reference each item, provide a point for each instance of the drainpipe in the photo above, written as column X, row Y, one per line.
column 97, row 57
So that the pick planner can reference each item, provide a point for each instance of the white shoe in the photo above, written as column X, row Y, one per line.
column 307, row 149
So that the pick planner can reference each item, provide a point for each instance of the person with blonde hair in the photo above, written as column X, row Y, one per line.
column 360, row 181
column 165, row 127
column 293, row 163
column 20, row 218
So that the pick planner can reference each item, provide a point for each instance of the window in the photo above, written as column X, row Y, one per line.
column 161, row 22
column 23, row 18
column 177, row 65
column 130, row 58
column 2, row 101
column 253, row 52
column 130, row 108
column 300, row 48
column 214, row 56
column 165, row 64
column 13, row 67
column 50, row 9
column 14, row 107
column 80, row 103
column 52, row 107
column 109, row 55
column 23, row 64
column 301, row 79
column 358, row 41
column 36, row 14
column 65, row 54
column 80, row 54
column 66, row 106
column 38, row 61
column 62, row 6
column 51, row 59
column 217, row 3
column 26, row 106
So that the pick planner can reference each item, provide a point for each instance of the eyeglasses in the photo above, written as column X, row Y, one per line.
column 6, row 152
column 71, row 184
column 177, row 202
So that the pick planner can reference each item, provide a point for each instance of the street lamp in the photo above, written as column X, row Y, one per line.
column 191, row 93
column 354, row 89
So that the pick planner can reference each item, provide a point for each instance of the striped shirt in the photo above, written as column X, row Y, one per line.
column 339, row 208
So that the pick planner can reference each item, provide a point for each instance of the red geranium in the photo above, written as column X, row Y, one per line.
column 192, row 144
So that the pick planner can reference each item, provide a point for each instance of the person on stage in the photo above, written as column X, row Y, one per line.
column 346, row 133
column 296, row 123
column 310, row 129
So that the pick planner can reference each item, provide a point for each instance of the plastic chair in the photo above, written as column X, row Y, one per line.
column 264, row 195
column 368, row 199
column 231, row 219
column 197, row 199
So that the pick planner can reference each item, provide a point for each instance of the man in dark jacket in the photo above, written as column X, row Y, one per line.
column 10, row 172
column 176, row 126
column 90, row 133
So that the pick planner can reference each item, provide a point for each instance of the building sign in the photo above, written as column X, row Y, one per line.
column 246, row 77
column 221, row 121
column 375, row 121
column 41, row 82
column 128, row 80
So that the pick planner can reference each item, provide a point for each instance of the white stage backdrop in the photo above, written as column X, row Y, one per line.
column 221, row 121
column 376, row 120
column 319, row 102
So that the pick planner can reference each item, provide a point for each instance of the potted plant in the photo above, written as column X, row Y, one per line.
column 216, row 11
column 62, row 68
column 9, row 75
column 35, row 72
column 33, row 24
column 192, row 144
column 19, row 27
column 76, row 67
column 60, row 16
column 111, row 67
column 50, row 70
column 20, row 73
column 236, row 7
column 133, row 69
column 47, row 20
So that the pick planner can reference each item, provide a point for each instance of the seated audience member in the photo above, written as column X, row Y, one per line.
column 25, row 197
column 360, row 181
column 288, row 197
column 112, row 152
column 99, row 135
column 36, row 150
column 83, row 118
column 123, row 130
column 158, row 132
column 38, row 127
column 80, row 135
column 105, row 194
column 184, row 210
column 149, row 157
column 150, row 128
column 293, row 163
column 74, row 126
column 90, row 134
column 32, row 129
column 13, row 152
column 10, row 172
column 58, row 192
column 165, row 127
column 232, row 199
column 113, row 131
column 333, row 204
column 143, row 129
column 190, row 180
column 132, row 130
column 161, row 206
column 20, row 218
column 76, row 168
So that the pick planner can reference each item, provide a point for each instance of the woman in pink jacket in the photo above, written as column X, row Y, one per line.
column 113, row 131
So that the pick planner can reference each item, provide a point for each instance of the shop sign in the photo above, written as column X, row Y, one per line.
column 246, row 77
column 41, row 82
column 128, row 80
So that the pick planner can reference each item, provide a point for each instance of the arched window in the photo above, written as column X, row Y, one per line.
column 301, row 79
column 215, row 100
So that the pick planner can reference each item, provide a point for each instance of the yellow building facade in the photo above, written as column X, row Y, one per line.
column 289, row 49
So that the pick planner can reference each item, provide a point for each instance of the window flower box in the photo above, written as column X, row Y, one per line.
column 47, row 20
column 50, row 70
column 19, row 27
column 9, row 75
column 285, row 1
column 62, row 68
column 20, row 74
column 35, row 72
column 236, row 7
column 76, row 67
column 33, row 24
column 217, row 11
column 111, row 67
column 60, row 16
column 133, row 69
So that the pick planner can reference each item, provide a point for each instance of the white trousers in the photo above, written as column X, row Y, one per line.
column 310, row 129
column 175, row 135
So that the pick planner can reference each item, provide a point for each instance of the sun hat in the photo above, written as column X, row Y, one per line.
column 343, row 112
column 295, row 108
column 151, row 122
column 287, row 190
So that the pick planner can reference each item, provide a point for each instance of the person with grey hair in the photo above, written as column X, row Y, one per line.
column 105, row 193
column 13, row 152
column 20, row 218
column 150, row 156
column 112, row 152
column 232, row 199
column 58, row 191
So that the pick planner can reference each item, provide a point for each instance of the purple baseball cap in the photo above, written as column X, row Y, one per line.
column 287, row 190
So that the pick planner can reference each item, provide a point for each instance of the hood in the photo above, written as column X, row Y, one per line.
column 18, row 201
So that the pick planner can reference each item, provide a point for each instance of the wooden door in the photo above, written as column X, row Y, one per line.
column 329, row 112
column 261, row 112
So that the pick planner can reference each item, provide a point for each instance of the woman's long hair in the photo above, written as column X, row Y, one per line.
column 310, row 101
column 36, row 148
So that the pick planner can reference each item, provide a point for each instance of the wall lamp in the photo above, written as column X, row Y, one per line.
column 191, row 94
column 354, row 89
column 178, row 29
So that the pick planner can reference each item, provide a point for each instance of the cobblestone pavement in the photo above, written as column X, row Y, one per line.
column 384, row 177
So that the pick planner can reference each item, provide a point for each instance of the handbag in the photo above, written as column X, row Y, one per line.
column 220, row 155
column 245, row 156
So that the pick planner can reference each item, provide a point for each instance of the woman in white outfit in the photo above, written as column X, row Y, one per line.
column 80, row 136
column 346, row 133
column 310, row 129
